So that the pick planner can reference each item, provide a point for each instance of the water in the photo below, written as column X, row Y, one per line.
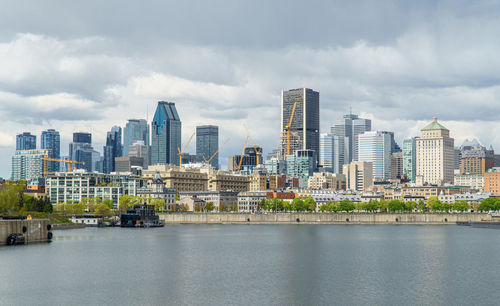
column 257, row 265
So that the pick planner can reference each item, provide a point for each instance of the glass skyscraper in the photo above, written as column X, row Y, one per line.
column 135, row 130
column 25, row 141
column 348, row 128
column 51, row 141
column 306, row 119
column 375, row 147
column 207, row 143
column 166, row 135
column 410, row 158
column 81, row 150
column 112, row 149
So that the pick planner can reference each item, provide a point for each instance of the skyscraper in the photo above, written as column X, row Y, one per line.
column 82, row 137
column 25, row 141
column 306, row 119
column 375, row 147
column 166, row 135
column 207, row 143
column 135, row 130
column 27, row 164
column 112, row 149
column 435, row 155
column 410, row 158
column 51, row 141
column 331, row 152
column 81, row 150
column 347, row 129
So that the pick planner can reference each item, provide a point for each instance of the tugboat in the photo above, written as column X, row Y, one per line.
column 141, row 216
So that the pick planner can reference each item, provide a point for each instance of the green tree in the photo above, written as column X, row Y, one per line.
column 209, row 206
column 346, row 205
column 103, row 210
column 395, row 205
column 489, row 204
column 434, row 204
column 333, row 206
column 297, row 204
column 310, row 204
column 323, row 207
column 461, row 206
column 222, row 207
column 421, row 206
column 109, row 203
column 234, row 207
column 383, row 205
column 197, row 207
column 159, row 204
column 261, row 204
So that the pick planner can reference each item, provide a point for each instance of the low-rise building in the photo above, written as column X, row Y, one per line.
column 326, row 181
column 359, row 176
column 282, row 194
column 88, row 220
column 468, row 197
column 258, row 181
column 228, row 198
column 492, row 181
column 249, row 201
column 432, row 191
column 473, row 181
column 157, row 190
column 125, row 163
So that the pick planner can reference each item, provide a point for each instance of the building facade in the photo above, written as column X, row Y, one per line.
column 51, row 141
column 410, row 158
column 140, row 150
column 135, row 130
column 25, row 141
column 375, row 147
column 435, row 154
column 473, row 181
column 396, row 165
column 347, row 129
column 81, row 150
column 492, row 181
column 301, row 165
column 166, row 135
column 249, row 201
column 112, row 149
column 475, row 159
column 27, row 165
column 358, row 175
column 207, row 143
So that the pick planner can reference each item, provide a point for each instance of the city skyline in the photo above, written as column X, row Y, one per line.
column 91, row 76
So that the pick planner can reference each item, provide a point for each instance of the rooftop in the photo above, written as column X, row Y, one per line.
column 434, row 125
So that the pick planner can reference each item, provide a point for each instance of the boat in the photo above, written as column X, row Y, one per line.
column 141, row 216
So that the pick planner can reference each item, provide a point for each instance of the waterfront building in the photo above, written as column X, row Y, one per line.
column 396, row 165
column 135, row 130
column 157, row 190
column 249, row 201
column 492, row 181
column 140, row 150
column 435, row 154
column 306, row 121
column 410, row 158
column 74, row 186
column 326, row 181
column 475, row 159
column 358, row 175
column 166, row 135
column 347, row 129
column 468, row 197
column 112, row 149
column 226, row 198
column 207, row 143
column 301, row 165
column 325, row 196
column 375, row 147
column 426, row 192
column 27, row 165
column 25, row 141
column 471, row 180
column 126, row 163
column 51, row 141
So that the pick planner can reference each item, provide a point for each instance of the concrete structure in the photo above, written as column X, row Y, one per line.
column 396, row 165
column 410, row 158
column 306, row 121
column 435, row 154
column 34, row 231
column 166, row 135
column 126, row 163
column 136, row 130
column 473, row 181
column 375, row 147
column 207, row 143
column 258, row 181
column 475, row 159
column 74, row 186
column 25, row 141
column 227, row 198
column 326, row 181
column 189, row 204
column 275, row 166
column 277, row 181
column 301, row 165
column 112, row 149
column 140, row 150
column 358, row 175
column 27, row 164
column 51, row 141
column 249, row 201
column 492, row 181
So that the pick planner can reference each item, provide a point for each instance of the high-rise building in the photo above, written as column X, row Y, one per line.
column 207, row 143
column 249, row 159
column 81, row 150
column 51, row 141
column 375, row 147
column 135, row 130
column 166, row 135
column 435, row 155
column 410, row 158
column 358, row 175
column 112, row 149
column 332, row 152
column 396, row 165
column 82, row 137
column 475, row 159
column 25, row 141
column 139, row 149
column 306, row 121
column 301, row 166
column 27, row 164
column 347, row 129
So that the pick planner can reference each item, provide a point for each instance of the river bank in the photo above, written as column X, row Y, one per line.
column 322, row 218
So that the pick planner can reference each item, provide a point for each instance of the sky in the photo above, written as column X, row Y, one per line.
column 89, row 65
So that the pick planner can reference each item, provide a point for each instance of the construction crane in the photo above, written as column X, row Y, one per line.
column 253, row 145
column 242, row 154
column 46, row 160
column 288, row 129
column 184, row 149
column 207, row 161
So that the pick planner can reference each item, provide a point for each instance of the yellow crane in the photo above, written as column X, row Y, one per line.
column 288, row 129
column 46, row 160
column 207, row 161
column 242, row 154
column 184, row 149
column 253, row 145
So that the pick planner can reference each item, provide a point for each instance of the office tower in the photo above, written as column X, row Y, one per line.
column 51, row 141
column 301, row 166
column 326, row 151
column 25, row 141
column 207, row 143
column 135, row 130
column 81, row 150
column 410, row 158
column 306, row 121
column 139, row 149
column 396, row 165
column 27, row 164
column 112, row 149
column 475, row 159
column 435, row 154
column 375, row 147
column 347, row 129
column 166, row 135
column 358, row 176
column 248, row 159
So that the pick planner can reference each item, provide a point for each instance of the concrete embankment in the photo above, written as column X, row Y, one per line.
column 37, row 230
column 317, row 218
column 67, row 226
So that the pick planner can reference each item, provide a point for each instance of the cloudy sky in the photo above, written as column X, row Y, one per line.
column 89, row 65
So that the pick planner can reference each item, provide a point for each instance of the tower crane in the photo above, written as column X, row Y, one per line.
column 288, row 129
column 242, row 154
column 216, row 152
column 46, row 160
column 253, row 145
column 184, row 149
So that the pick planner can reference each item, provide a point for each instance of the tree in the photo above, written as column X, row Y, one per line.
column 323, row 207
column 434, row 204
column 159, row 204
column 109, row 203
column 411, row 205
column 421, row 205
column 384, row 205
column 103, row 210
column 197, row 207
column 261, row 204
column 209, row 206
column 395, row 205
column 234, row 207
column 461, row 206
column 310, row 204
column 489, row 204
column 297, row 204
column 346, row 205
column 333, row 207
column 372, row 206
column 222, row 206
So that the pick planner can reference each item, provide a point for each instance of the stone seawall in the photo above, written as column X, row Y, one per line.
column 317, row 218
column 34, row 231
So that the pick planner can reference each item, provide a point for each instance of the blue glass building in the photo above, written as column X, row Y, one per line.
column 51, row 141
column 112, row 149
column 207, row 143
column 166, row 134
column 25, row 141
column 135, row 130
